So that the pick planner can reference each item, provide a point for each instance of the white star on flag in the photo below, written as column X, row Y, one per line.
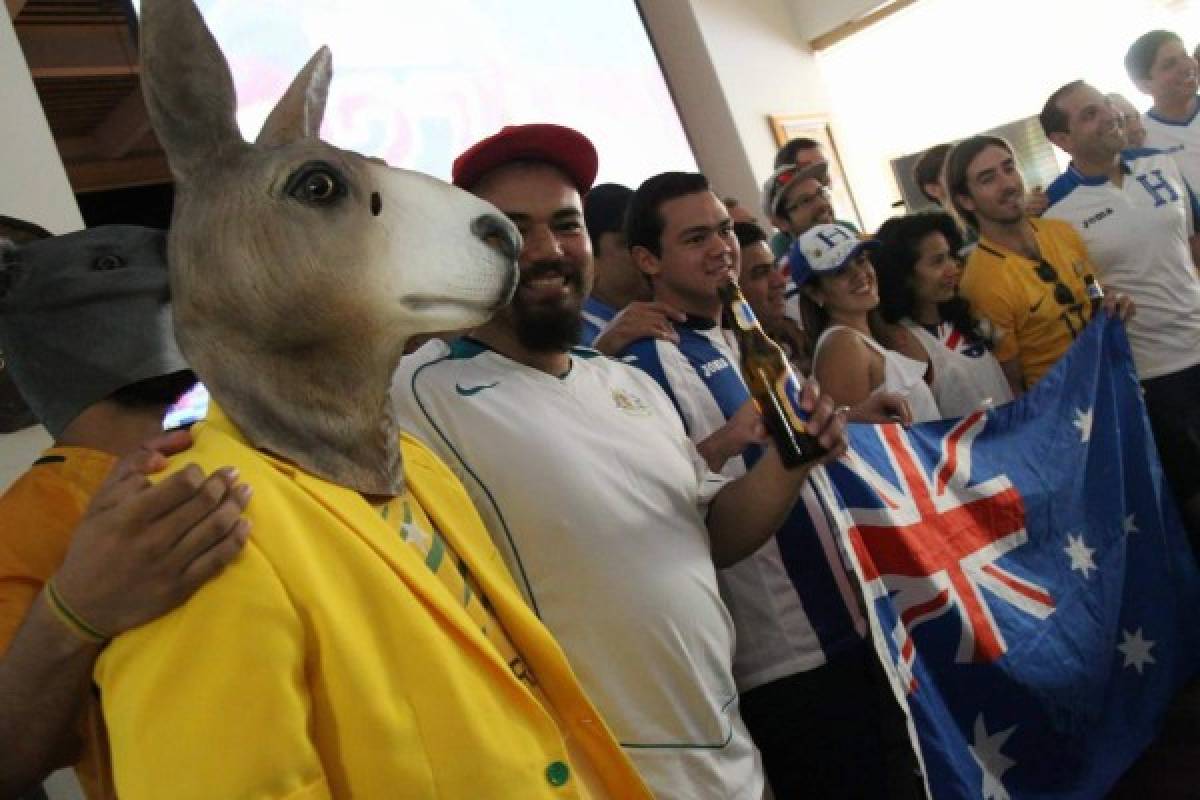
column 1083, row 421
column 986, row 752
column 1129, row 526
column 1136, row 650
column 1080, row 554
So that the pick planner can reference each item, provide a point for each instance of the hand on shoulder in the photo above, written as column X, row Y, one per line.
column 143, row 548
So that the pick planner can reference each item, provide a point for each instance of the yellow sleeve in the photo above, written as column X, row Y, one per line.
column 211, row 700
column 988, row 301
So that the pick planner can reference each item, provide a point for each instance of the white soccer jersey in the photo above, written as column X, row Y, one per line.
column 793, row 602
column 1137, row 236
column 596, row 498
column 1180, row 140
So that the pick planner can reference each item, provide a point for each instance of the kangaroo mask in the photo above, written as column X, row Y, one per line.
column 299, row 270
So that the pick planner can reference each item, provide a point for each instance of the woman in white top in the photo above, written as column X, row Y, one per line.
column 839, row 295
column 918, row 269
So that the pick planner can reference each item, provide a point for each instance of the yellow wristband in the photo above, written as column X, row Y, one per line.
column 70, row 620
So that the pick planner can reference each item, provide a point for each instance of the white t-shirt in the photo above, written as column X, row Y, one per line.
column 784, row 622
column 596, row 498
column 1137, row 236
column 966, row 376
column 1180, row 140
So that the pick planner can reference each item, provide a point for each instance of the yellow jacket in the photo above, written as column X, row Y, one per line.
column 328, row 661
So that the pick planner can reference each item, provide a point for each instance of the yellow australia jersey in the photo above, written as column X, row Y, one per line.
column 1037, row 309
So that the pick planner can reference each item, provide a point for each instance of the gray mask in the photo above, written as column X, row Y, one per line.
column 83, row 315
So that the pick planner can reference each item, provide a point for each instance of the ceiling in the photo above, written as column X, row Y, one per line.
column 84, row 64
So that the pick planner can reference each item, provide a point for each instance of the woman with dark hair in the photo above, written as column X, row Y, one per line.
column 838, row 298
column 918, row 270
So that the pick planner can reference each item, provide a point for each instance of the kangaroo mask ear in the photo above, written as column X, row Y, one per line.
column 187, row 85
column 298, row 113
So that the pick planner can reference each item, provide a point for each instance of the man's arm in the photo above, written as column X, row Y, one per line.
column 747, row 512
column 638, row 321
column 1015, row 375
column 1036, row 202
column 1119, row 306
column 139, row 551
column 882, row 408
column 743, row 429
column 44, row 680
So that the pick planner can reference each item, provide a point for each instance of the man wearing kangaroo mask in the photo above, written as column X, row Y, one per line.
column 368, row 641
column 85, row 326
column 604, row 511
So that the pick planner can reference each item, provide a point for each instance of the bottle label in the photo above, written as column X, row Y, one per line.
column 788, row 388
column 743, row 315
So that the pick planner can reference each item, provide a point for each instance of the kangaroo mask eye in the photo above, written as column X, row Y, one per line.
column 317, row 185
column 106, row 263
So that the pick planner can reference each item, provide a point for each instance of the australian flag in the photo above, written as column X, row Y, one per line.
column 1026, row 571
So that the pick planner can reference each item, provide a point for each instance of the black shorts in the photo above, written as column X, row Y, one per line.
column 1173, row 403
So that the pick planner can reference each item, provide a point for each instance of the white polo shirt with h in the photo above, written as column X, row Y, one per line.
column 1180, row 140
column 1137, row 236
column 596, row 498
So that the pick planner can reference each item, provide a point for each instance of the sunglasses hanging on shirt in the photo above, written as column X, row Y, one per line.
column 1062, row 293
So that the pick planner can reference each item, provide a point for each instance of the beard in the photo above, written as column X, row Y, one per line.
column 1002, row 215
column 549, row 327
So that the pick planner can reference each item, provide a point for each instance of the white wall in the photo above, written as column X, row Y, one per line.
column 816, row 17
column 33, row 186
column 731, row 63
column 33, row 183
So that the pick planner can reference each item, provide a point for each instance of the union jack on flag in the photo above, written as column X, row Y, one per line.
column 1027, row 578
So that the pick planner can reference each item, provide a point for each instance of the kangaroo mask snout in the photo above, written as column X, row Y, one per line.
column 499, row 233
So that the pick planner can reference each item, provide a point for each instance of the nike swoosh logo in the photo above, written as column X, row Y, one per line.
column 473, row 390
column 1033, row 308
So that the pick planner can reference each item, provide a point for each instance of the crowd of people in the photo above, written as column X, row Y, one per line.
column 601, row 429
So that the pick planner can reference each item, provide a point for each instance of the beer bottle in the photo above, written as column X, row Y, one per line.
column 1094, row 293
column 772, row 383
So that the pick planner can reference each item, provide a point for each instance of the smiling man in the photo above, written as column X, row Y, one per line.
column 1160, row 66
column 764, row 283
column 1138, row 219
column 1026, row 275
column 802, row 665
column 605, row 513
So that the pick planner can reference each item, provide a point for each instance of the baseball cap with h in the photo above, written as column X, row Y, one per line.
column 825, row 250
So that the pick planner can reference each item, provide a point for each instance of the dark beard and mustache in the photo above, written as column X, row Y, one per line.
column 547, row 328
column 1007, row 219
